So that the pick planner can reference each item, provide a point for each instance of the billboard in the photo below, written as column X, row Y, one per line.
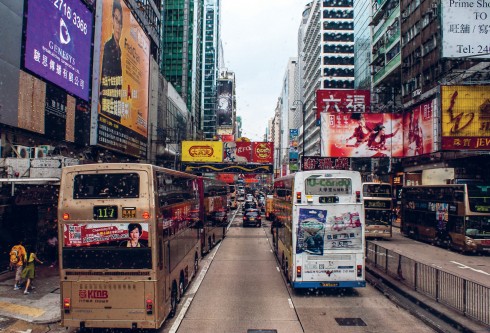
column 465, row 29
column 418, row 129
column 324, row 163
column 58, row 40
column 362, row 135
column 224, row 112
column 202, row 151
column 342, row 101
column 124, row 81
column 262, row 152
column 237, row 152
column 465, row 117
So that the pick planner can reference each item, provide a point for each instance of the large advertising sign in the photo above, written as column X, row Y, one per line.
column 237, row 152
column 124, row 80
column 465, row 26
column 224, row 103
column 465, row 117
column 58, row 43
column 262, row 152
column 202, row 151
column 418, row 129
column 342, row 101
column 103, row 234
column 362, row 135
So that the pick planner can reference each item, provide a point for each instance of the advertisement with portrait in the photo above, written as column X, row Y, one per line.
column 362, row 135
column 224, row 112
column 124, row 80
column 262, row 152
column 58, row 39
column 237, row 152
column 418, row 129
column 342, row 101
column 202, row 151
column 465, row 117
column 106, row 234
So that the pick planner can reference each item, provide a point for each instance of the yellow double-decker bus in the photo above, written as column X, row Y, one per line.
column 378, row 209
column 129, row 244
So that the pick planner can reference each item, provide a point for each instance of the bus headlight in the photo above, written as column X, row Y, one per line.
column 469, row 241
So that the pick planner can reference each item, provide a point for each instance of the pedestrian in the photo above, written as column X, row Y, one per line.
column 52, row 243
column 29, row 272
column 18, row 256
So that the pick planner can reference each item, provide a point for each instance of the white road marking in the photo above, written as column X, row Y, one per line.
column 290, row 303
column 181, row 315
column 278, row 269
column 463, row 266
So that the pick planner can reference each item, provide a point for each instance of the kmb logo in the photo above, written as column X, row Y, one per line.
column 201, row 151
column 95, row 294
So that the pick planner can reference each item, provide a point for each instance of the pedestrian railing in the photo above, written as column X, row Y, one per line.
column 465, row 296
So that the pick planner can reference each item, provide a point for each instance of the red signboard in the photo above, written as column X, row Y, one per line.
column 324, row 163
column 226, row 177
column 342, row 101
column 262, row 152
column 418, row 130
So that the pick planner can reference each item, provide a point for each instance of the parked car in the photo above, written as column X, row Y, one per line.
column 252, row 217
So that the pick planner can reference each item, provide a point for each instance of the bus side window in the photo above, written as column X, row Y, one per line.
column 160, row 253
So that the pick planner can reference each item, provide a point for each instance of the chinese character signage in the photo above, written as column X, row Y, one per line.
column 418, row 129
column 465, row 117
column 342, row 101
column 202, row 151
column 362, row 135
column 124, row 79
column 58, row 43
column 324, row 163
column 465, row 29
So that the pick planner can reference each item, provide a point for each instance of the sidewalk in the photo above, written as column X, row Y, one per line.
column 41, row 306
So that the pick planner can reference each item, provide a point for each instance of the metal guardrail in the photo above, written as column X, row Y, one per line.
column 465, row 296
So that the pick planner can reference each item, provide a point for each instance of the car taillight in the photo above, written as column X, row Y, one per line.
column 149, row 306
column 359, row 270
column 298, row 197
column 358, row 196
column 66, row 305
column 298, row 271
column 244, row 217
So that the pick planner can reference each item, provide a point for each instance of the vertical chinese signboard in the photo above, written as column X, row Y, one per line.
column 262, row 152
column 465, row 117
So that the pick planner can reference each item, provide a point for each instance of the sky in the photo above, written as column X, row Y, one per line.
column 259, row 36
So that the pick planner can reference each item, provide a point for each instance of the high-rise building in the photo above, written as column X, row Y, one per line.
column 327, row 60
column 181, row 52
column 211, row 58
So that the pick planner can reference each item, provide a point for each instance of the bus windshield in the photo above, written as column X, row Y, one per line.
column 479, row 198
column 478, row 226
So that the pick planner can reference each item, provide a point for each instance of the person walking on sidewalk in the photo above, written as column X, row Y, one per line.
column 19, row 252
column 30, row 271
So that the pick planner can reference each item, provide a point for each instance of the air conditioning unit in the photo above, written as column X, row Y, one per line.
column 48, row 150
column 39, row 152
column 23, row 151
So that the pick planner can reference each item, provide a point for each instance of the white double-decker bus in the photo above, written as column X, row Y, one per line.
column 319, row 228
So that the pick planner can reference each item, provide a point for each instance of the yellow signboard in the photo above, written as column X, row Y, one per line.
column 465, row 117
column 202, row 151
